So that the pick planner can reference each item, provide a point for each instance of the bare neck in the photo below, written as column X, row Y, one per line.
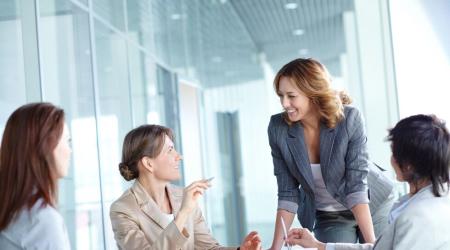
column 416, row 187
column 155, row 188
column 311, row 121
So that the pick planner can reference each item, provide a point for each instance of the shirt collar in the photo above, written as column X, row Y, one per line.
column 403, row 203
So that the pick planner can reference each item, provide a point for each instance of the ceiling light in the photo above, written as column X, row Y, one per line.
column 291, row 6
column 303, row 51
column 298, row 32
column 175, row 16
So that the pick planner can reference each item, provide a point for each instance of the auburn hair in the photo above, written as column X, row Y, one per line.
column 313, row 79
column 27, row 171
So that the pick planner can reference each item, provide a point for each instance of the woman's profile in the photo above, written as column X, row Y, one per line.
column 34, row 154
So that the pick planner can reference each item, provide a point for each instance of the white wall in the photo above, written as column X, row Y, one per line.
column 421, row 41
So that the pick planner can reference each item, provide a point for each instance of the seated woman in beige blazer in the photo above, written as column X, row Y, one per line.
column 421, row 219
column 153, row 214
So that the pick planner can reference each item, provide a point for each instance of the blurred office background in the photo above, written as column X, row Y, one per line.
column 205, row 68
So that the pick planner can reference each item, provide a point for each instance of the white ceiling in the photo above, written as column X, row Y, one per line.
column 219, row 42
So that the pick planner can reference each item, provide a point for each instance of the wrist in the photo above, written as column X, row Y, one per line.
column 184, row 212
column 180, row 219
column 321, row 246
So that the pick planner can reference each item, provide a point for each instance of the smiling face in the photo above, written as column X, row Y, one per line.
column 296, row 104
column 166, row 164
column 61, row 153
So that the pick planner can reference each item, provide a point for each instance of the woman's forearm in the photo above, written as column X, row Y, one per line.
column 364, row 221
column 180, row 220
column 278, row 237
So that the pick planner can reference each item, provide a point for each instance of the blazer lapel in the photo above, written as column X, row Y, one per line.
column 296, row 144
column 327, row 136
column 148, row 206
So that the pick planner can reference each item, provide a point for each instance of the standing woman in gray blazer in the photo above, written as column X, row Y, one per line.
column 321, row 162
column 34, row 154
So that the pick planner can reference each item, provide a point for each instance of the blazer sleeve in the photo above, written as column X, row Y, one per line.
column 357, row 161
column 348, row 246
column 203, row 238
column 128, row 235
column 288, row 192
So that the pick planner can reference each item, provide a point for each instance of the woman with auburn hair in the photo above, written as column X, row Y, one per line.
column 34, row 154
column 321, row 162
column 419, row 220
column 153, row 214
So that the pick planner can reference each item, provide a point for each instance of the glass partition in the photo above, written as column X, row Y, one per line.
column 12, row 74
column 68, row 82
column 114, row 116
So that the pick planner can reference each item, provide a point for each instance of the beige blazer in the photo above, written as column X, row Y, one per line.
column 138, row 223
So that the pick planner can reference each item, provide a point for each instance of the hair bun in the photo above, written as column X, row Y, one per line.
column 126, row 172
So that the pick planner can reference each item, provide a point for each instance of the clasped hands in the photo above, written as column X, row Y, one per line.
column 304, row 238
column 296, row 236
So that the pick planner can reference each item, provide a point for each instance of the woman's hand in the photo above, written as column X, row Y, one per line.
column 251, row 242
column 304, row 238
column 190, row 196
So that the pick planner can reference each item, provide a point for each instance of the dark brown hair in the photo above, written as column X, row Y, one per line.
column 312, row 78
column 146, row 140
column 27, row 173
column 421, row 147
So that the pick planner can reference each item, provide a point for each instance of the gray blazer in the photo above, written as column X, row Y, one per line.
column 347, row 172
column 423, row 224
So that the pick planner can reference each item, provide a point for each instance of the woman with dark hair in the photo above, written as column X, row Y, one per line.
column 420, row 147
column 153, row 214
column 34, row 154
column 321, row 162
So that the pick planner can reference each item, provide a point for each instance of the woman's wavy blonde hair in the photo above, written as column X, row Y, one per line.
column 313, row 79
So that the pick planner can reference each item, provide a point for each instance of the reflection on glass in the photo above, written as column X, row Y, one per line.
column 143, row 88
column 140, row 25
column 114, row 117
column 12, row 78
column 67, row 82
column 112, row 11
column 167, row 83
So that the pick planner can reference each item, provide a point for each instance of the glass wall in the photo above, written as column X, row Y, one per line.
column 13, row 91
column 203, row 68
column 67, row 80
